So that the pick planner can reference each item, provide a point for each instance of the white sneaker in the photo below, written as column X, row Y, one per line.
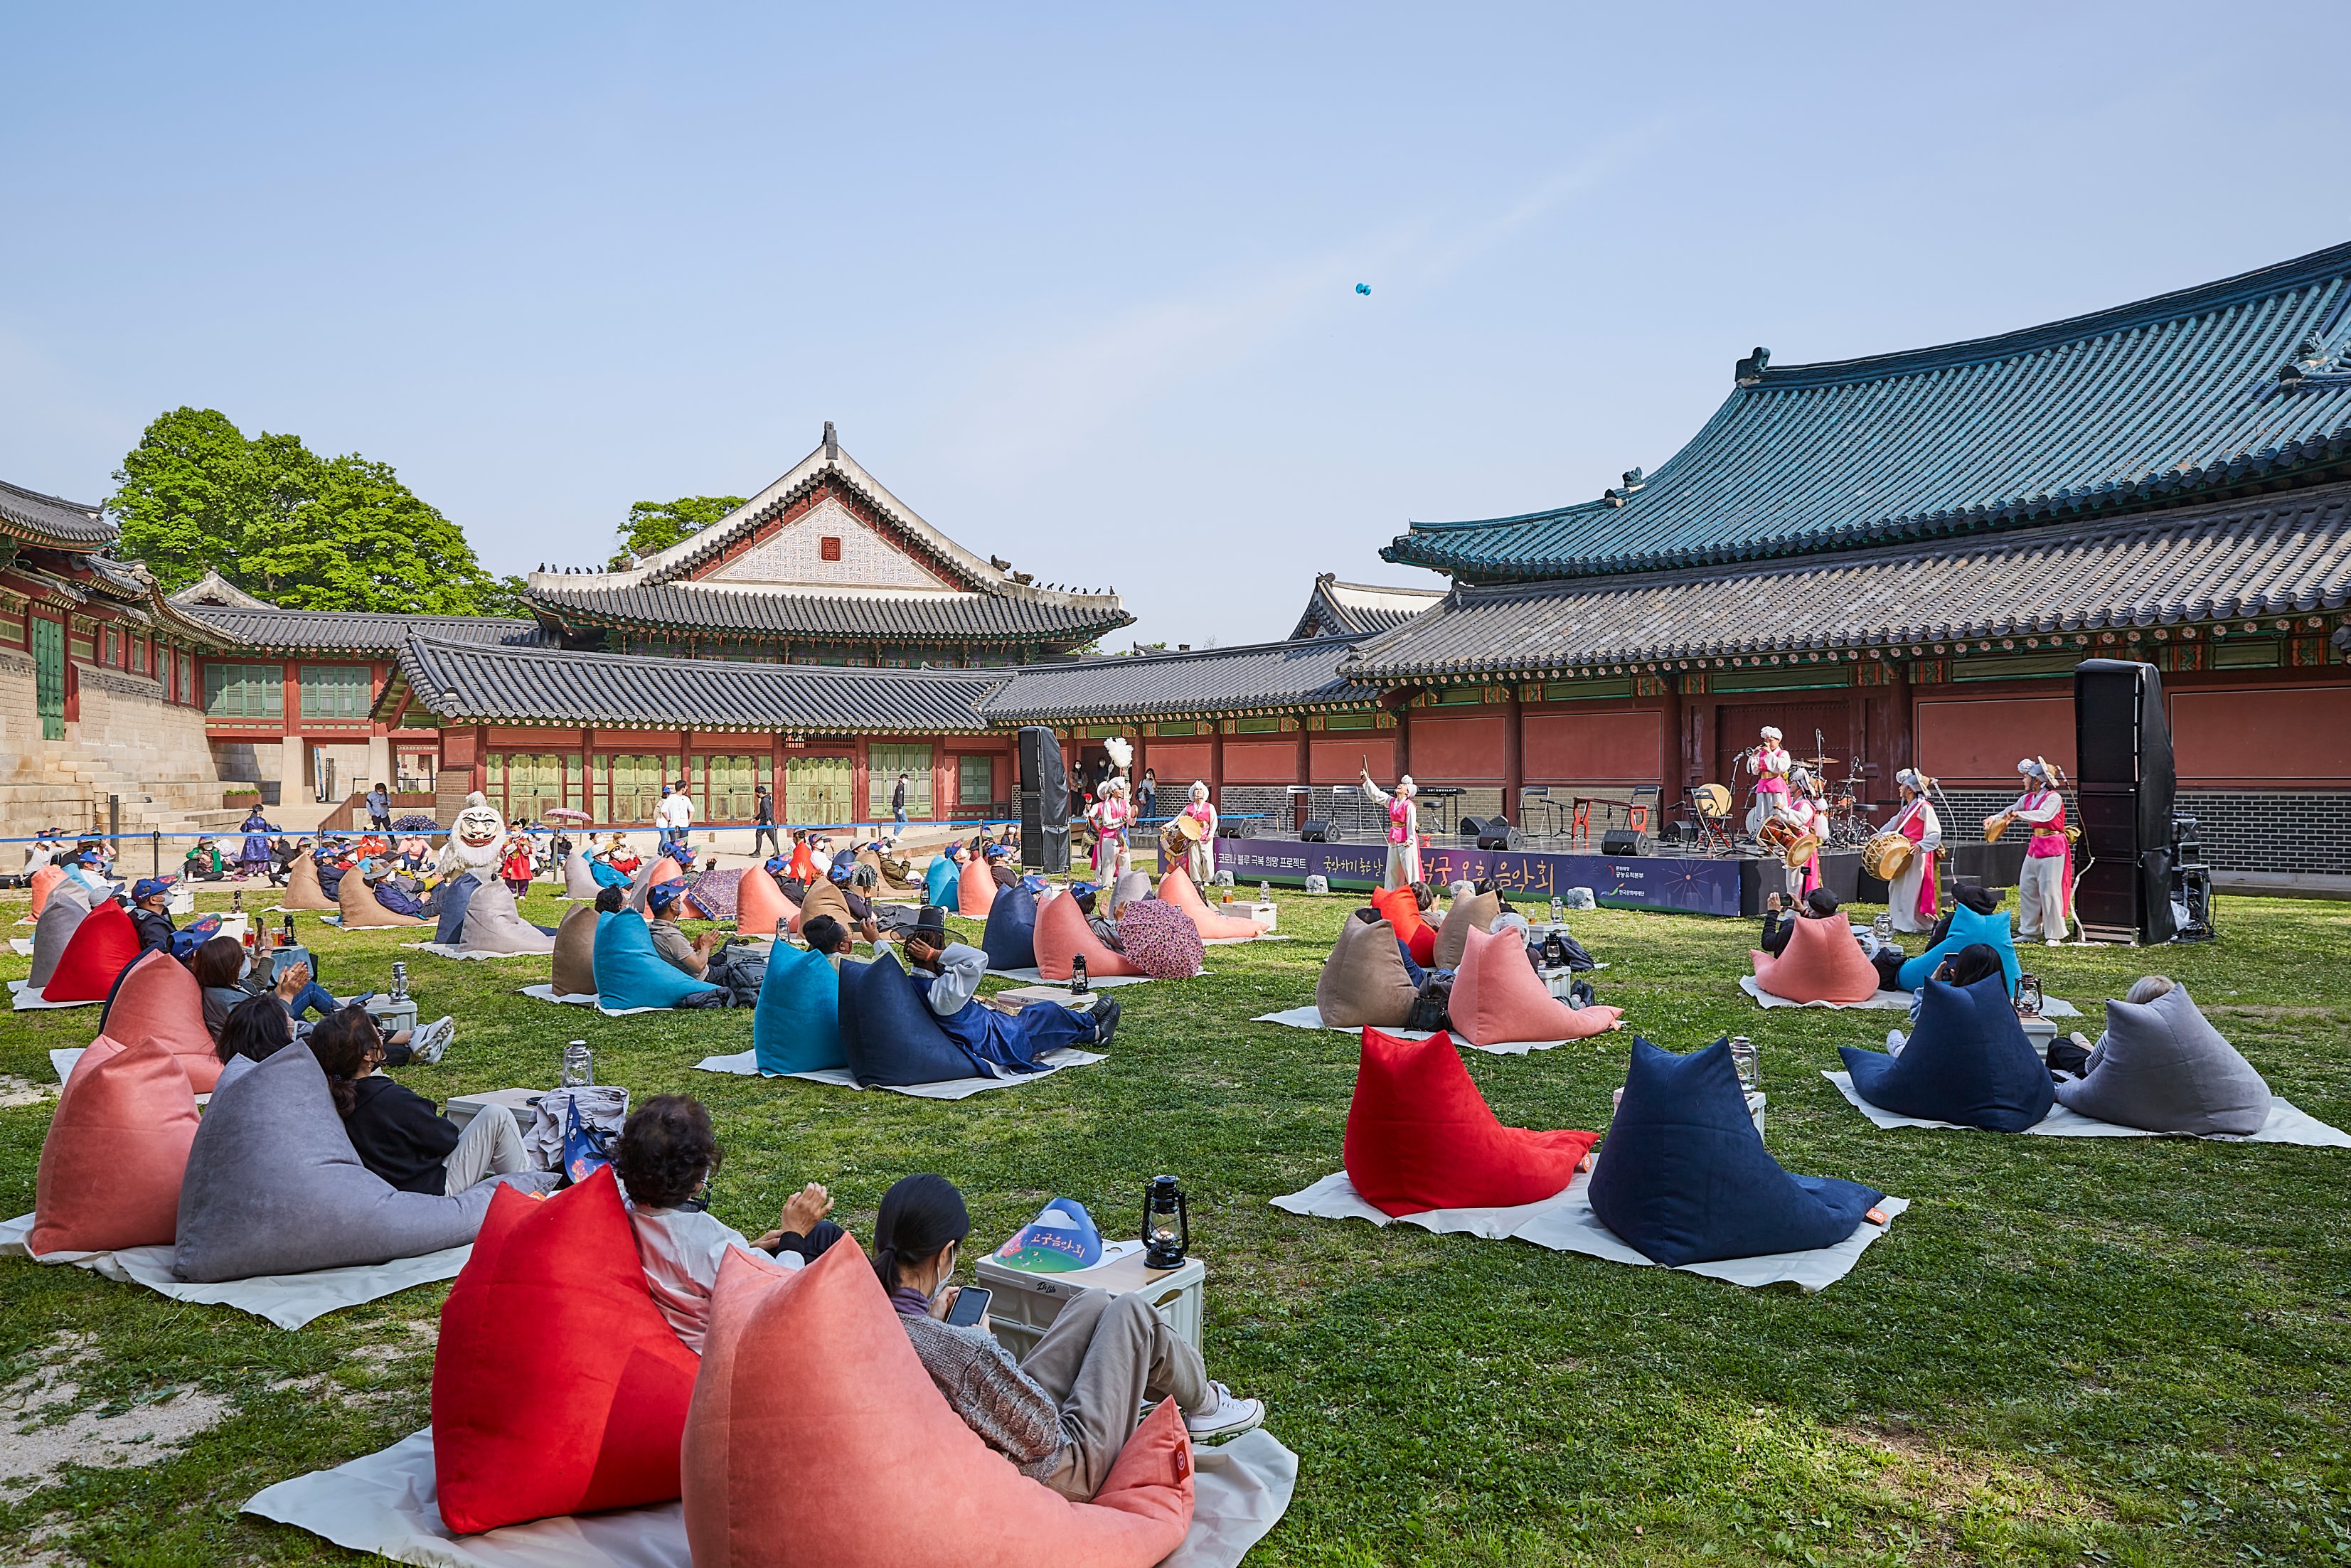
column 1226, row 1414
column 427, row 1044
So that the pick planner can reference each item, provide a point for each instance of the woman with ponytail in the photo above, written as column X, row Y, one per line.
column 1064, row 1411
column 395, row 1131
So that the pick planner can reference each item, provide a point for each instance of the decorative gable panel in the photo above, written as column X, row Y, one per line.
column 829, row 546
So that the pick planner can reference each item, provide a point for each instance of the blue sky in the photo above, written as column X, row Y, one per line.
column 1078, row 283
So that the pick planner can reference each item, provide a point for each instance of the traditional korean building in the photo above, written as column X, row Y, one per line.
column 1338, row 609
column 823, row 567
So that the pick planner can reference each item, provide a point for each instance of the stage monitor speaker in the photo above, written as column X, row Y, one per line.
column 2126, row 784
column 1229, row 828
column 1618, row 842
column 1494, row 834
column 1318, row 831
column 1044, row 803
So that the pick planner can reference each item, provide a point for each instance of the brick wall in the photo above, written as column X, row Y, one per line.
column 2240, row 830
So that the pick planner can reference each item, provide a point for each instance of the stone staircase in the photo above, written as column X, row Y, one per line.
column 72, row 795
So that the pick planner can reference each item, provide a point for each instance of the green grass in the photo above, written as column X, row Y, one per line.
column 2085, row 1351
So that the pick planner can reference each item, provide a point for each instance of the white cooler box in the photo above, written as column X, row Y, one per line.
column 1026, row 1302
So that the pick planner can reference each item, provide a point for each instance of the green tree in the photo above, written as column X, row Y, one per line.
column 283, row 523
column 656, row 525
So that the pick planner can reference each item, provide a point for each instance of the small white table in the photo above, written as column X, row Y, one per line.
column 1027, row 1303
column 523, row 1103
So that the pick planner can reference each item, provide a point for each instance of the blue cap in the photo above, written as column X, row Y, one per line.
column 668, row 891
column 147, row 887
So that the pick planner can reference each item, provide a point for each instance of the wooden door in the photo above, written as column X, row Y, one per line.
column 819, row 792
column 1736, row 724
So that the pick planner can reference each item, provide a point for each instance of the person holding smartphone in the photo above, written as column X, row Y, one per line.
column 1062, row 1412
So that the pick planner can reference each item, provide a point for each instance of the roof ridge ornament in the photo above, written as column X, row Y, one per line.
column 1749, row 370
column 832, row 444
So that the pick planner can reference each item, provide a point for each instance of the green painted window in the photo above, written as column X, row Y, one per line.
column 1461, row 696
column 2013, row 666
column 1770, row 680
column 1351, row 721
column 1257, row 726
column 336, row 691
column 975, row 781
column 245, row 691
column 883, row 763
column 1579, row 691
column 2239, row 653
column 49, row 676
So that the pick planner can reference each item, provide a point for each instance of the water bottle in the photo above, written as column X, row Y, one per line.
column 400, row 982
column 1265, row 893
column 1078, row 975
column 1557, row 911
column 578, row 1065
column 1743, row 1058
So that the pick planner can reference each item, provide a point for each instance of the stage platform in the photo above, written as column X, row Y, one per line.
column 1687, row 884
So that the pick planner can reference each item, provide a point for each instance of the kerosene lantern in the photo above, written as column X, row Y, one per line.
column 1167, row 1224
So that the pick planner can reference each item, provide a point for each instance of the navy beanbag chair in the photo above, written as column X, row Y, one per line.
column 629, row 973
column 889, row 1032
column 456, row 897
column 796, row 1028
column 1968, row 1062
column 1684, row 1176
column 1968, row 928
column 1011, row 936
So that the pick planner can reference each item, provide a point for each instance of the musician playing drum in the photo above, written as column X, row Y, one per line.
column 1404, row 829
column 1771, row 764
column 1915, row 895
column 1200, row 854
column 2045, row 891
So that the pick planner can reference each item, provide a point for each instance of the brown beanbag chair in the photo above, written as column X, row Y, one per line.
column 1364, row 981
column 891, row 882
column 361, row 911
column 1498, row 999
column 1062, row 933
column 823, row 898
column 493, row 924
column 575, row 952
column 1478, row 911
column 1176, row 888
column 761, row 906
column 1821, row 963
column 303, row 889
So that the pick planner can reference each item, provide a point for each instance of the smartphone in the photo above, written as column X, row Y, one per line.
column 970, row 1306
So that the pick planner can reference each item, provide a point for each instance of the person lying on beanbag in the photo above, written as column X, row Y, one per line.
column 668, row 1152
column 1064, row 1411
column 949, row 975
column 395, row 1132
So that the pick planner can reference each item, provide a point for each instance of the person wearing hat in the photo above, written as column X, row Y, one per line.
column 695, row 956
column 1104, row 928
column 149, row 917
column 1000, row 866
column 1404, row 827
column 948, row 974
column 1915, row 895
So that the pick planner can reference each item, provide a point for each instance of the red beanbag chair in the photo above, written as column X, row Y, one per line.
column 160, row 1000
column 1420, row 1135
column 761, row 906
column 1821, row 963
column 557, row 1386
column 976, row 892
column 1062, row 933
column 116, row 1149
column 1403, row 910
column 47, row 877
column 1498, row 997
column 817, row 1440
column 101, row 946
column 1176, row 888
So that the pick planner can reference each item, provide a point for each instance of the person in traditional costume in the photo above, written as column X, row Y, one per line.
column 1404, row 828
column 948, row 974
column 256, row 859
column 2044, row 888
column 1771, row 764
column 1915, row 895
column 1200, row 855
column 1811, row 816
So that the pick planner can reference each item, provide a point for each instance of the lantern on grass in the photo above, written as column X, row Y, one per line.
column 1167, row 1224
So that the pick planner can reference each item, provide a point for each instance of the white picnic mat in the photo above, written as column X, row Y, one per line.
column 546, row 993
column 1889, row 1001
column 1565, row 1223
column 21, row 945
column 1094, row 982
column 23, row 998
column 746, row 1064
column 443, row 950
column 289, row 1300
column 1310, row 1017
column 1234, row 941
column 388, row 1503
column 2287, row 1124
column 62, row 1058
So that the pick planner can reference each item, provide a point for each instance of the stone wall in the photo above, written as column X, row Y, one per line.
column 127, row 742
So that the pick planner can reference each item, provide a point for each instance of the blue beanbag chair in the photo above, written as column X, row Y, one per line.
column 455, row 897
column 1967, row 928
column 629, row 973
column 1684, row 1176
column 889, row 1032
column 939, row 881
column 1967, row 1062
column 1010, row 939
column 607, row 875
column 796, row 1028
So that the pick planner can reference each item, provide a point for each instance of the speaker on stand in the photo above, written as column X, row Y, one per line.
column 2124, row 776
column 1044, row 803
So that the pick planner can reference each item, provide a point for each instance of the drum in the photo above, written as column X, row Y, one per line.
column 1191, row 828
column 1173, row 843
column 1784, row 836
column 1887, row 855
column 1713, row 800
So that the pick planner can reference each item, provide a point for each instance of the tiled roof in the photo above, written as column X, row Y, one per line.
column 481, row 683
column 2206, row 392
column 1338, row 609
column 1218, row 680
column 213, row 589
column 2282, row 555
column 945, row 618
column 41, row 519
column 355, row 631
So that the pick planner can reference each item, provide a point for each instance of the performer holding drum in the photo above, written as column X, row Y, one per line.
column 1771, row 764
column 1110, row 816
column 2044, row 889
column 1903, row 856
column 1195, row 825
column 1404, row 828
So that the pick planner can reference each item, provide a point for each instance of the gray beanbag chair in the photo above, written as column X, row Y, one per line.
column 273, row 1185
column 575, row 952
column 493, row 924
column 1480, row 910
column 451, row 900
column 1129, row 888
column 2163, row 1067
column 578, row 882
column 1364, row 981
column 61, row 916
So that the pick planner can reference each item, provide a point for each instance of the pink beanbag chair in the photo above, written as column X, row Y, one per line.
column 102, row 947
column 1176, row 888
column 116, row 1149
column 1062, row 933
column 760, row 905
column 649, row 877
column 1821, row 963
column 160, row 1000
column 817, row 1440
column 974, row 891
column 47, row 877
column 1498, row 997
column 1420, row 1137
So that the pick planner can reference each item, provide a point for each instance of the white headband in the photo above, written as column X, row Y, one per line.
column 1770, row 734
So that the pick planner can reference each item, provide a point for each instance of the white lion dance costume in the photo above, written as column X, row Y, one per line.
column 1200, row 853
column 477, row 841
column 1404, row 829
column 1111, row 814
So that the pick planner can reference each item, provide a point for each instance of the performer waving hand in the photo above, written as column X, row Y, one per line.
column 1404, row 828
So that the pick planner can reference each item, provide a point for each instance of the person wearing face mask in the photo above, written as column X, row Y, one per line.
column 1062, row 1412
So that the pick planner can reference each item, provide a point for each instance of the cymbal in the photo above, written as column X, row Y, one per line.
column 1817, row 764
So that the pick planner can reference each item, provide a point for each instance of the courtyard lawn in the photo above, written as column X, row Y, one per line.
column 2092, row 1351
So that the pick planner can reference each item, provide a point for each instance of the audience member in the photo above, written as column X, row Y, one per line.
column 149, row 917
column 949, row 975
column 395, row 1131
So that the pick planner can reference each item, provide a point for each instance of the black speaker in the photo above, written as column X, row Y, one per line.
column 1044, row 803
column 1618, row 842
column 2125, row 783
column 1317, row 831
column 1230, row 828
column 1494, row 834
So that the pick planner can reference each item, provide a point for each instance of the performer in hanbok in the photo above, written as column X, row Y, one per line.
column 2045, row 887
column 1915, row 895
column 1771, row 764
column 1811, row 815
column 1109, row 817
column 1200, row 854
column 1404, row 829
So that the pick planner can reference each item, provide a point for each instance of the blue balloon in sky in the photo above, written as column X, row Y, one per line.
column 1363, row 289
